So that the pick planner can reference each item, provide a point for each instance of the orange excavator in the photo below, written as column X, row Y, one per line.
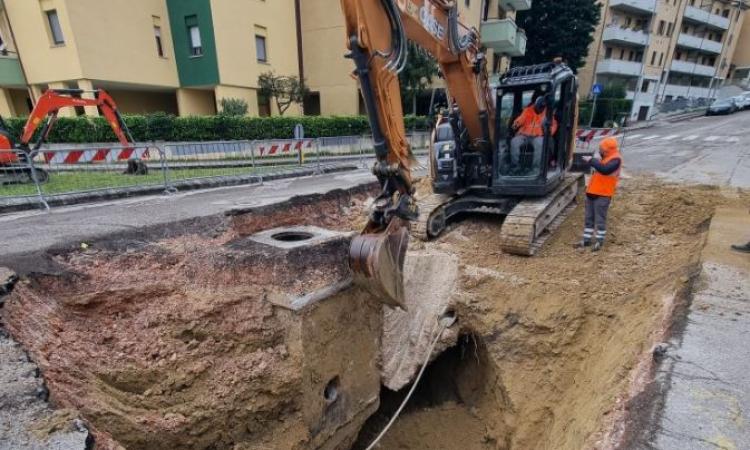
column 475, row 165
column 14, row 167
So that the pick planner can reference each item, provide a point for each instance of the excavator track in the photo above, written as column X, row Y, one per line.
column 431, row 221
column 533, row 221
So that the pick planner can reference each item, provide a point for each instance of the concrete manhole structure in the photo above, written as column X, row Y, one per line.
column 244, row 331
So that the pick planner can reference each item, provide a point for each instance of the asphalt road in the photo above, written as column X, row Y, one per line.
column 704, row 150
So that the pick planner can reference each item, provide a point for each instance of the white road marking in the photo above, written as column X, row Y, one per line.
column 632, row 136
column 711, row 138
column 670, row 137
column 648, row 138
column 692, row 137
column 733, row 139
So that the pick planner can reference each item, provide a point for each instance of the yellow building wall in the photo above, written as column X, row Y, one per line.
column 18, row 100
column 235, row 27
column 247, row 94
column 741, row 57
column 116, row 42
column 143, row 102
column 196, row 102
column 6, row 104
column 324, row 46
column 43, row 61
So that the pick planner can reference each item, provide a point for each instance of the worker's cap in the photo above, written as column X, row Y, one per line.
column 540, row 102
column 608, row 145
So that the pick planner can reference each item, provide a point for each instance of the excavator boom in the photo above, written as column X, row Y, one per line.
column 377, row 34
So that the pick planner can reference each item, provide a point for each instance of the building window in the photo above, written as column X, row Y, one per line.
column 260, row 48
column 159, row 46
column 194, row 36
column 653, row 58
column 670, row 27
column 608, row 53
column 468, row 3
column 662, row 24
column 661, row 58
column 54, row 27
column 645, row 85
column 264, row 106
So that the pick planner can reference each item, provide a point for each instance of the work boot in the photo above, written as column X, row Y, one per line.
column 597, row 246
column 742, row 248
column 582, row 244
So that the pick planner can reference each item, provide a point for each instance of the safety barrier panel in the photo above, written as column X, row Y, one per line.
column 74, row 174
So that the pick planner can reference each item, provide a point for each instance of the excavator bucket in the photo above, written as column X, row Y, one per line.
column 377, row 260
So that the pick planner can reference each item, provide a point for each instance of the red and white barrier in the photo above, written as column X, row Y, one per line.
column 273, row 148
column 94, row 156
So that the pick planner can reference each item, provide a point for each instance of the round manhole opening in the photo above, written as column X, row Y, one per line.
column 292, row 236
column 331, row 391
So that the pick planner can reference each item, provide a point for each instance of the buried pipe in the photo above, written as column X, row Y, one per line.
column 446, row 321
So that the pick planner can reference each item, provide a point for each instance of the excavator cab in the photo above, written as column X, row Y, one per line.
column 534, row 166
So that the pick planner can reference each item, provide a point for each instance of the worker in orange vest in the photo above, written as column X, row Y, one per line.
column 599, row 193
column 530, row 127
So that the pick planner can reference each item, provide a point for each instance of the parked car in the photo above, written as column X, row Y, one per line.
column 746, row 95
column 723, row 106
column 742, row 101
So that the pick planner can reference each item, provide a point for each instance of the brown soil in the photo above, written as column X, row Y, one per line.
column 171, row 344
column 568, row 334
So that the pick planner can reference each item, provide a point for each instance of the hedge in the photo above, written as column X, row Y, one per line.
column 163, row 127
column 607, row 109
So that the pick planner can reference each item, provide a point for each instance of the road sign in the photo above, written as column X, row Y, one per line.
column 597, row 89
column 299, row 131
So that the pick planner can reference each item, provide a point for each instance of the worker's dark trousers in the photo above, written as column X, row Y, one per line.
column 596, row 218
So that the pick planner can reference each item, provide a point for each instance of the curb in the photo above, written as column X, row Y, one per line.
column 185, row 185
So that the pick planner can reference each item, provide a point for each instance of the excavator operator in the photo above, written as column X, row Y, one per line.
column 530, row 127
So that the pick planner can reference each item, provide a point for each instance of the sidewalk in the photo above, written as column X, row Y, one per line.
column 705, row 371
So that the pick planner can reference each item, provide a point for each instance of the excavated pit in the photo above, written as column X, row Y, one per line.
column 204, row 336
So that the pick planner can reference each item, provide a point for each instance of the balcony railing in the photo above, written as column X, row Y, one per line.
column 702, row 16
column 619, row 67
column 693, row 68
column 625, row 36
column 11, row 74
column 515, row 5
column 504, row 37
column 686, row 91
column 634, row 6
column 697, row 43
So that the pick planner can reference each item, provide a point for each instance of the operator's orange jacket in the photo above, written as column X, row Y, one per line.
column 606, row 185
column 529, row 123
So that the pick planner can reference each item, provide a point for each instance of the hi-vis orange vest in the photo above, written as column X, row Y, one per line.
column 605, row 185
column 530, row 123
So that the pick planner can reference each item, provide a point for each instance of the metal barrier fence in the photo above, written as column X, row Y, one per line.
column 75, row 175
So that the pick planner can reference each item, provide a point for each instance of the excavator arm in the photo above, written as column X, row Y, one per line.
column 50, row 103
column 377, row 34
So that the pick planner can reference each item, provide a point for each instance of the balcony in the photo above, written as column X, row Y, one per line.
column 696, row 43
column 701, row 16
column 515, row 5
column 693, row 68
column 11, row 74
column 634, row 6
column 619, row 67
column 625, row 36
column 686, row 91
column 504, row 37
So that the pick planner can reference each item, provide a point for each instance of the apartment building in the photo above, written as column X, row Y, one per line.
column 177, row 56
column 327, row 72
column 741, row 59
column 662, row 50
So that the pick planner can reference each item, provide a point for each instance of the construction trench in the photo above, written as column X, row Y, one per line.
column 244, row 332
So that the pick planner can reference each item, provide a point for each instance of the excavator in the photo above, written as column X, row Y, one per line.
column 14, row 167
column 471, row 167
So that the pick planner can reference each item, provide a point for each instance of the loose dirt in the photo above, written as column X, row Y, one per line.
column 169, row 342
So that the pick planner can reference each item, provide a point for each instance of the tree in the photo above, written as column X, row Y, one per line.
column 416, row 78
column 558, row 28
column 233, row 107
column 285, row 90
